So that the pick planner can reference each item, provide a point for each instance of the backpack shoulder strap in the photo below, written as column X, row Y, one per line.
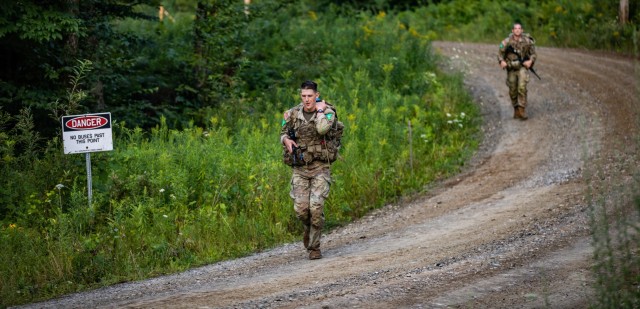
column 332, row 108
column 529, row 38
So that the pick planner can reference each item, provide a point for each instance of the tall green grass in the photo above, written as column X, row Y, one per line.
column 614, row 214
column 166, row 200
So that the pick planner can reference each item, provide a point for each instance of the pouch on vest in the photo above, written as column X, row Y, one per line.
column 327, row 151
column 295, row 158
column 514, row 65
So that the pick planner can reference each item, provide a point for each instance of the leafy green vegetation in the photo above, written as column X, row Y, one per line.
column 167, row 199
column 591, row 24
column 197, row 100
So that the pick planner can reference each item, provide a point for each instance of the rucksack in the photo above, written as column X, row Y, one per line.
column 333, row 138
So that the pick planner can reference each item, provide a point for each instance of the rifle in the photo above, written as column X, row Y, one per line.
column 296, row 154
column 510, row 49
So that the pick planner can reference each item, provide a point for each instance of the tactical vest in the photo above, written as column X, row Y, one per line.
column 520, row 49
column 311, row 145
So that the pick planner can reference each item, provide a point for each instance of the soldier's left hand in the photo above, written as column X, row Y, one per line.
column 527, row 64
column 321, row 105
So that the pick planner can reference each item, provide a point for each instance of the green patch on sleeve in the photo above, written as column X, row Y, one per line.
column 283, row 122
column 329, row 116
column 501, row 45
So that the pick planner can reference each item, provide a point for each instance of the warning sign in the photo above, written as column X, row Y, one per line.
column 87, row 133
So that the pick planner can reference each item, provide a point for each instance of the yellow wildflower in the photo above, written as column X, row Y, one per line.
column 387, row 68
column 414, row 33
column 367, row 31
column 313, row 15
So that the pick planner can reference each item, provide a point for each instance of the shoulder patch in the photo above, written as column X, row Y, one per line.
column 501, row 45
column 329, row 116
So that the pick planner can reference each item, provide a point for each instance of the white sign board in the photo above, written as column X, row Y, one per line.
column 87, row 133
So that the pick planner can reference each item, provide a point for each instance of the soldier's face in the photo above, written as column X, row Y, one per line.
column 308, row 97
column 517, row 29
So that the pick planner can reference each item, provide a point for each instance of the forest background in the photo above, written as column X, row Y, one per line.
column 196, row 90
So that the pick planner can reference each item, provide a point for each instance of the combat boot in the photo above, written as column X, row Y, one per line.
column 517, row 112
column 315, row 254
column 521, row 113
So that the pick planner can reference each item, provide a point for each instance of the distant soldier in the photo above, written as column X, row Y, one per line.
column 517, row 54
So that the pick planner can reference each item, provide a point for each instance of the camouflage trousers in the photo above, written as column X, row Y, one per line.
column 309, row 189
column 517, row 82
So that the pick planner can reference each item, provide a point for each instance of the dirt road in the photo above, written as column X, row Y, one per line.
column 511, row 231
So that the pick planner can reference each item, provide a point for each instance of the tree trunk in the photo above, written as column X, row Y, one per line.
column 624, row 12
column 72, row 39
column 98, row 92
column 198, row 43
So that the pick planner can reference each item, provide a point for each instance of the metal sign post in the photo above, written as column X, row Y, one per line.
column 89, row 185
column 85, row 134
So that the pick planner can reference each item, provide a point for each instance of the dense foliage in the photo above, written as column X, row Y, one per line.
column 201, row 54
column 589, row 24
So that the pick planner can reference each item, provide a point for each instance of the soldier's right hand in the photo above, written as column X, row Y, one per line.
column 289, row 144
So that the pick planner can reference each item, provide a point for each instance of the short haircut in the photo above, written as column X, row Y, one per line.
column 309, row 85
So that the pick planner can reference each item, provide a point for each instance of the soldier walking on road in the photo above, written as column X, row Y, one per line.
column 309, row 148
column 517, row 54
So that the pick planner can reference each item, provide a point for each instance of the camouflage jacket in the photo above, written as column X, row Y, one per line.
column 523, row 47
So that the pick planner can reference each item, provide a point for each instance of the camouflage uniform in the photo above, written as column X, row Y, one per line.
column 517, row 74
column 311, row 181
